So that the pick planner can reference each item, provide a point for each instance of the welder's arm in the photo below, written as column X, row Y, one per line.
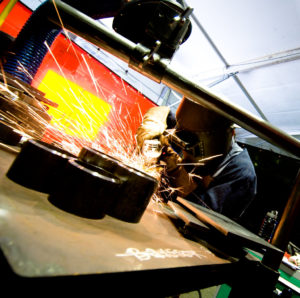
column 153, row 125
column 178, row 177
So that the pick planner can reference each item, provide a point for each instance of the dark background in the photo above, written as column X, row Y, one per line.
column 276, row 176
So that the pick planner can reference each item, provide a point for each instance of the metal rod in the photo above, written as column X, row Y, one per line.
column 288, row 218
column 246, row 66
column 250, row 98
column 272, row 59
column 220, row 80
column 285, row 227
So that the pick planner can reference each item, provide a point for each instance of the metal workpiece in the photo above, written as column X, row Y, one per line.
column 135, row 191
column 99, row 159
column 135, row 194
column 92, row 185
column 9, row 136
column 38, row 165
column 85, row 190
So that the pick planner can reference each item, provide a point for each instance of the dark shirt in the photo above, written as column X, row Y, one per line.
column 232, row 190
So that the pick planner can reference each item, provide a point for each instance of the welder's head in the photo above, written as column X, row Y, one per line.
column 204, row 132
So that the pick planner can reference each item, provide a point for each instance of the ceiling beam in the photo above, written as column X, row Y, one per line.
column 222, row 58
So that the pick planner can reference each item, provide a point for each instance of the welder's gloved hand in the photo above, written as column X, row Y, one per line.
column 171, row 159
column 153, row 125
column 179, row 178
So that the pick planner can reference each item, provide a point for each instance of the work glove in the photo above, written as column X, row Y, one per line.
column 177, row 175
column 170, row 159
column 153, row 125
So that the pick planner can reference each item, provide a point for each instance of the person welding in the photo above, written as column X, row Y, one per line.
column 201, row 157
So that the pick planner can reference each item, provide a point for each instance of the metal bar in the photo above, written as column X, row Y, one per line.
column 269, row 60
column 284, row 230
column 246, row 66
column 288, row 218
column 220, row 80
column 250, row 98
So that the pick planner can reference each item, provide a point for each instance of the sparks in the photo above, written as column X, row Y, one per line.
column 104, row 127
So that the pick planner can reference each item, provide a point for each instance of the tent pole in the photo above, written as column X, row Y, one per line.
column 235, row 77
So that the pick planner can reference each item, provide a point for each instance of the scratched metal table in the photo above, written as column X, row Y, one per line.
column 43, row 245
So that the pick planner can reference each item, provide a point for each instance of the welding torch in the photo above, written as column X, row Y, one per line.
column 154, row 149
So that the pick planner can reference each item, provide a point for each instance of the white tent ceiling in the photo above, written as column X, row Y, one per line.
column 246, row 50
column 257, row 40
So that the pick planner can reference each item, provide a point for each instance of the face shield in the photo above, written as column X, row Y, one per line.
column 201, row 133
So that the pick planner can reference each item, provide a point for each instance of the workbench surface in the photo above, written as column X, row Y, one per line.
column 40, row 240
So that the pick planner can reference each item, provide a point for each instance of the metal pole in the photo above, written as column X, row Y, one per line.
column 283, row 232
column 252, row 101
column 291, row 212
